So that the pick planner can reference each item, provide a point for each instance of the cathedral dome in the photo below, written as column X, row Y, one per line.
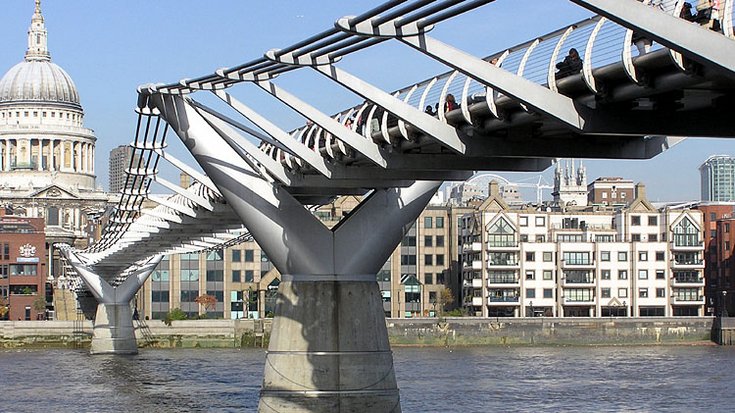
column 38, row 81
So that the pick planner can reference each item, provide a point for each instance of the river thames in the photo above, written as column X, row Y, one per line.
column 489, row 379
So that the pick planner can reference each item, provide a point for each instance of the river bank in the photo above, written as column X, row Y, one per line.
column 430, row 332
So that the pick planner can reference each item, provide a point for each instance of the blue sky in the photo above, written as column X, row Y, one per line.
column 111, row 47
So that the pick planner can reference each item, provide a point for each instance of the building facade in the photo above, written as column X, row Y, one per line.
column 610, row 191
column 637, row 261
column 718, row 178
column 23, row 268
column 719, row 243
column 47, row 155
column 118, row 163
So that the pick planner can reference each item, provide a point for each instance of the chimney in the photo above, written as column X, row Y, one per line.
column 493, row 189
column 640, row 191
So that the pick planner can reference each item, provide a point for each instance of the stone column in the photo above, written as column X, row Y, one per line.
column 7, row 155
column 39, row 167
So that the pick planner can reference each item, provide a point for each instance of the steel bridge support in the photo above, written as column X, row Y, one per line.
column 113, row 332
column 329, row 349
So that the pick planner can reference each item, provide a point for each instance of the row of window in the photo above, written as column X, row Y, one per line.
column 434, row 222
column 26, row 114
column 635, row 220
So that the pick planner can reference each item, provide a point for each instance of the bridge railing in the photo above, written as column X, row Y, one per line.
column 599, row 42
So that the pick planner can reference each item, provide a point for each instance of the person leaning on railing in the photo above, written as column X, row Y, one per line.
column 570, row 65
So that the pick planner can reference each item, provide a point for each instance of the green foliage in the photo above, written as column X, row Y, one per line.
column 39, row 304
column 457, row 312
column 174, row 314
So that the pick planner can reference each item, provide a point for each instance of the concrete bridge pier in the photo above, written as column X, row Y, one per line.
column 113, row 331
column 329, row 349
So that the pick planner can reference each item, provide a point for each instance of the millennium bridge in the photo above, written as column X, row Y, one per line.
column 628, row 83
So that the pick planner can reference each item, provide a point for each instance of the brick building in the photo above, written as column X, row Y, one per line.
column 23, row 266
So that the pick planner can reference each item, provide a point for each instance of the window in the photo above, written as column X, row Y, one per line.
column 604, row 255
column 642, row 274
column 643, row 292
column 686, row 234
column 249, row 276
column 408, row 259
column 530, row 256
column 52, row 216
column 428, row 278
column 440, row 259
column 727, row 228
column 440, row 240
column 570, row 238
column 236, row 256
column 249, row 256
column 577, row 258
column 548, row 257
column 428, row 222
column 712, row 216
column 605, row 275
column 548, row 293
column 643, row 256
column 409, row 241
column 530, row 275
column 622, row 256
column 660, row 256
column 428, row 241
column 635, row 220
column 428, row 259
column 523, row 221
column 660, row 274
column 501, row 234
column 159, row 296
column 622, row 292
column 635, row 237
column 440, row 222
column 236, row 276
column 548, row 275
column 660, row 292
column 540, row 238
column 652, row 237
column 622, row 274
column 652, row 221
column 530, row 293
column 524, row 238
column 605, row 293
column 540, row 221
column 604, row 238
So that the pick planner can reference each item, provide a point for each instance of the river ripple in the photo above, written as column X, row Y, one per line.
column 488, row 379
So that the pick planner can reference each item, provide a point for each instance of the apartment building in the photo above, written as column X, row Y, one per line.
column 582, row 261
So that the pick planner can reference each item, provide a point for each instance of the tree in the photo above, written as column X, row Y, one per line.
column 174, row 314
column 4, row 308
column 207, row 301
column 39, row 304
column 445, row 298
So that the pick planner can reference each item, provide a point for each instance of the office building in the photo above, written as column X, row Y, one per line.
column 718, row 178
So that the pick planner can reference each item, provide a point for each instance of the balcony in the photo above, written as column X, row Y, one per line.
column 684, row 300
column 685, row 281
column 580, row 281
column 503, row 300
column 503, row 246
column 475, row 265
column 687, row 246
column 472, row 247
column 497, row 264
column 503, row 281
column 688, row 264
column 579, row 300
column 572, row 264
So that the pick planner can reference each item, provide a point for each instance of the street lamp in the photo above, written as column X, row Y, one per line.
column 724, row 304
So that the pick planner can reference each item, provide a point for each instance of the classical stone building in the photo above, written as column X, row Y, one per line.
column 46, row 154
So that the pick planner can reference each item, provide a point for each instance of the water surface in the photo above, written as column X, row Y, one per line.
column 489, row 379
